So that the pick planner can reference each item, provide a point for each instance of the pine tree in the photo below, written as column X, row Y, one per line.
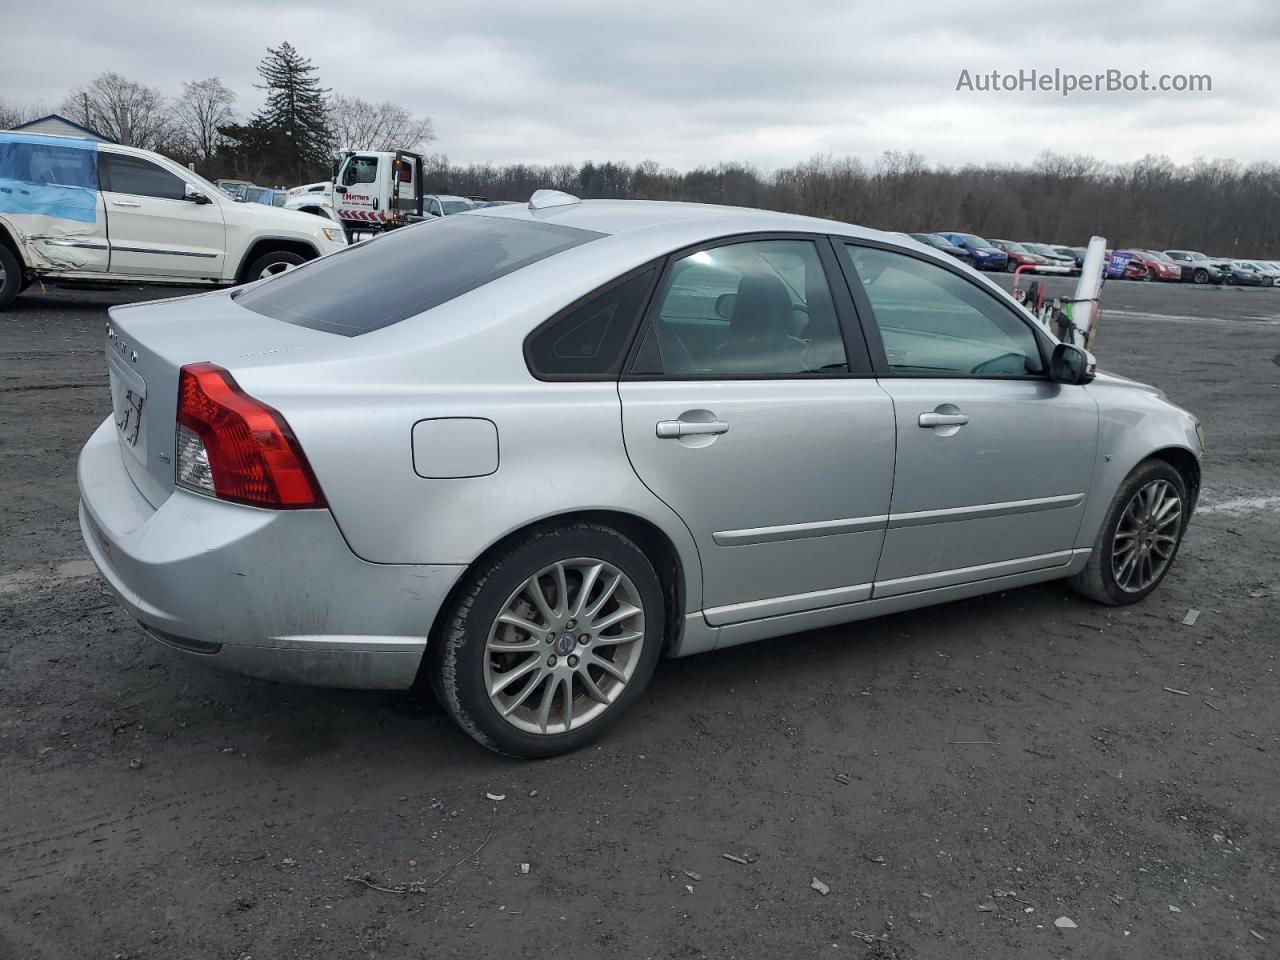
column 296, row 106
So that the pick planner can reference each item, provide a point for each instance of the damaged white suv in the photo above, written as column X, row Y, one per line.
column 75, row 210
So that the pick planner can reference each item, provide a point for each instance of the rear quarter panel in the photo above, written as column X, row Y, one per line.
column 353, row 405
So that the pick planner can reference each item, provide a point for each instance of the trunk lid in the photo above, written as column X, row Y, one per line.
column 147, row 346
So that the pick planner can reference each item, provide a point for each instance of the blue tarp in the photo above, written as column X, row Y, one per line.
column 49, row 177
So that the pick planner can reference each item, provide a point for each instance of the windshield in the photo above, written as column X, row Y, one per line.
column 406, row 272
column 456, row 206
column 1010, row 247
column 972, row 240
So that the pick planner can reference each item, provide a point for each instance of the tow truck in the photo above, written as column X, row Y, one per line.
column 369, row 192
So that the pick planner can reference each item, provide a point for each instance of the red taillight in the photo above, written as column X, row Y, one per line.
column 234, row 447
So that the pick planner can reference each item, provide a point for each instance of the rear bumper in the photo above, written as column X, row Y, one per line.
column 276, row 594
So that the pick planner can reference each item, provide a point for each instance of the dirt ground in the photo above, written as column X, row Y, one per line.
column 1009, row 760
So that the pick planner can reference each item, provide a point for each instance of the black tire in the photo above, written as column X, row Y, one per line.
column 1097, row 580
column 457, row 649
column 13, row 282
column 1200, row 276
column 1011, row 266
column 1149, row 275
column 284, row 259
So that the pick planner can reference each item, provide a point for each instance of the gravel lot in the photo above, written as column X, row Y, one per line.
column 1009, row 760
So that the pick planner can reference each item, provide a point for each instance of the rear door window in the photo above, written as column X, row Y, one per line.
column 379, row 282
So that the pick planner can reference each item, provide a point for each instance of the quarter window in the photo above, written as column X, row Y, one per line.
column 760, row 308
column 141, row 178
column 935, row 322
column 589, row 340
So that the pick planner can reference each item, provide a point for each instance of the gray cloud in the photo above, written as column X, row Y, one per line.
column 701, row 83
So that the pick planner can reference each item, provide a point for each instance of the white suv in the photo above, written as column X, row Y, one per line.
column 74, row 209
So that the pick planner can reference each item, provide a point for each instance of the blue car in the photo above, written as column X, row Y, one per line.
column 985, row 255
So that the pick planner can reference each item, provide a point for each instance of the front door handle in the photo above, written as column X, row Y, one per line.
column 943, row 419
column 124, row 203
column 671, row 429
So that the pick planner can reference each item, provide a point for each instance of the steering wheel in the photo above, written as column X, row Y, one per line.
column 987, row 365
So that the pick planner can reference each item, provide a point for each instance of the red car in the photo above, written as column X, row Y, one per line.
column 1019, row 256
column 1144, row 266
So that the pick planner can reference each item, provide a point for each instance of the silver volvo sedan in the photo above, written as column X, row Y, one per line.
column 525, row 451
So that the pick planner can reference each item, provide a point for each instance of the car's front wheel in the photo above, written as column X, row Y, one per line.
column 277, row 261
column 1139, row 538
column 550, row 641
column 1200, row 276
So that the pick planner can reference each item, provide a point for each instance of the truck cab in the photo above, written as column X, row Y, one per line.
column 370, row 191
column 77, row 210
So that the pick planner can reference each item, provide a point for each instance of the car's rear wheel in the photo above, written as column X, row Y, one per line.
column 277, row 261
column 11, row 280
column 550, row 641
column 1139, row 538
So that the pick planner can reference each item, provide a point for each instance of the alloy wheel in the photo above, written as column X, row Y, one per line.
column 1146, row 536
column 271, row 269
column 564, row 646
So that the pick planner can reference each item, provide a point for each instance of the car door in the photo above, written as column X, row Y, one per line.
column 49, row 198
column 994, row 459
column 154, row 229
column 749, row 410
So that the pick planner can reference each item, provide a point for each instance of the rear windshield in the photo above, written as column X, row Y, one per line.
column 379, row 282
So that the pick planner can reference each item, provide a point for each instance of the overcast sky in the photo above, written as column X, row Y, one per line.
column 691, row 83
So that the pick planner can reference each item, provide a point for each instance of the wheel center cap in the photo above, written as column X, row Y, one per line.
column 564, row 644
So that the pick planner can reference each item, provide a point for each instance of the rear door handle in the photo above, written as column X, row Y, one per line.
column 124, row 203
column 671, row 429
column 943, row 419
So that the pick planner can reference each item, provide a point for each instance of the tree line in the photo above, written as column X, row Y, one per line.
column 1222, row 207
column 290, row 140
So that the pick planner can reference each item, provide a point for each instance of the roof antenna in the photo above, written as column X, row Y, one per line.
column 542, row 199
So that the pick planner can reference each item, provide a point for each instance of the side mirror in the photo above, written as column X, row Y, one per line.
column 1070, row 365
column 725, row 304
column 193, row 195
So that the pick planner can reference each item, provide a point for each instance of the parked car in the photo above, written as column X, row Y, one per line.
column 1202, row 269
column 528, row 450
column 443, row 205
column 1247, row 274
column 76, row 210
column 1019, row 256
column 945, row 245
column 1123, row 265
column 1270, row 272
column 1054, row 257
column 1186, row 271
column 264, row 195
column 1076, row 253
column 985, row 256
column 1154, row 266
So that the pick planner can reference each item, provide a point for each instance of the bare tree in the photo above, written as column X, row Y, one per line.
column 205, row 105
column 362, row 125
column 129, row 113
column 12, row 114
